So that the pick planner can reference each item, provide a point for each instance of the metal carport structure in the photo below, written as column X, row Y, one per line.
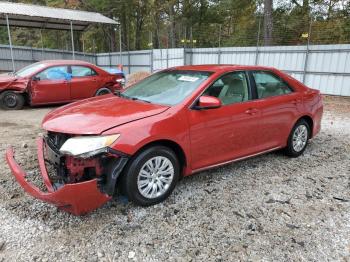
column 42, row 17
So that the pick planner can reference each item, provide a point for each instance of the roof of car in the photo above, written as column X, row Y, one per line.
column 215, row 68
column 64, row 62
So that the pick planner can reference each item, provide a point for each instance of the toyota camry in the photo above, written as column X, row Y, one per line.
column 172, row 124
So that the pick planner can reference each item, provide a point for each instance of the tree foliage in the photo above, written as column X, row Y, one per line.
column 199, row 23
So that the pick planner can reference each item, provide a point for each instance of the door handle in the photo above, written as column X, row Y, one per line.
column 252, row 111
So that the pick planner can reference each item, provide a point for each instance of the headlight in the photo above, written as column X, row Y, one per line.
column 86, row 146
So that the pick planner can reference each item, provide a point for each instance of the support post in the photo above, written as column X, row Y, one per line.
column 307, row 53
column 42, row 44
column 120, row 45
column 72, row 37
column 10, row 42
column 151, row 60
column 167, row 57
column 257, row 43
column 220, row 36
column 129, row 69
column 191, row 56
column 219, row 56
column 185, row 52
column 219, row 50
column 151, row 52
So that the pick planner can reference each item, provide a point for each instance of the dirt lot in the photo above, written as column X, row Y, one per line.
column 269, row 208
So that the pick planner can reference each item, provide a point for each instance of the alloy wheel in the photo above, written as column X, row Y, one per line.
column 300, row 136
column 155, row 177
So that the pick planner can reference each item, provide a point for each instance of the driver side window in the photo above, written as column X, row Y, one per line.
column 231, row 88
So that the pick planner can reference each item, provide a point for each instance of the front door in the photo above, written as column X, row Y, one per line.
column 229, row 132
column 50, row 86
column 84, row 83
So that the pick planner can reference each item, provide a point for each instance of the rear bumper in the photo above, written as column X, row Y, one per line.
column 317, row 120
column 77, row 198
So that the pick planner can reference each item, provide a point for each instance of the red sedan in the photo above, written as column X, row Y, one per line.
column 54, row 82
column 172, row 124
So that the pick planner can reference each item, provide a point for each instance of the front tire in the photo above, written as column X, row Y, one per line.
column 10, row 100
column 298, row 139
column 151, row 176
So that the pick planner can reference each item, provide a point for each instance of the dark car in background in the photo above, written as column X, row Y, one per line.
column 55, row 82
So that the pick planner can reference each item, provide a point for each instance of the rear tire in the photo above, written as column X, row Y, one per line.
column 151, row 176
column 10, row 100
column 298, row 139
column 103, row 91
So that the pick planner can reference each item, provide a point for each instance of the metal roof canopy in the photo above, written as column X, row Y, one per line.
column 43, row 17
column 24, row 15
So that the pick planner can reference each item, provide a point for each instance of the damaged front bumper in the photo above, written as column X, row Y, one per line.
column 77, row 198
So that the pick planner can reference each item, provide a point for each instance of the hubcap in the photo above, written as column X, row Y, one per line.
column 155, row 177
column 10, row 100
column 300, row 138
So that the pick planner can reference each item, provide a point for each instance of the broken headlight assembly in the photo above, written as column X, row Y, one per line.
column 87, row 146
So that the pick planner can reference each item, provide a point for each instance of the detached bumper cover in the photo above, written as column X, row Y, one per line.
column 78, row 198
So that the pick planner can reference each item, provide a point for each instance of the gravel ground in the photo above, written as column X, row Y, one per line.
column 270, row 208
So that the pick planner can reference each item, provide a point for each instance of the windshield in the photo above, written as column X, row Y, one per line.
column 28, row 70
column 167, row 87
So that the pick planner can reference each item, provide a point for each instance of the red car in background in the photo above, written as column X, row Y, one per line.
column 55, row 82
column 172, row 124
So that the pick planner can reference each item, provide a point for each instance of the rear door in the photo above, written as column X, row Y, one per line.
column 50, row 86
column 279, row 105
column 228, row 132
column 85, row 82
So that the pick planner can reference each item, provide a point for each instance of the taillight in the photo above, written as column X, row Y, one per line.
column 120, row 79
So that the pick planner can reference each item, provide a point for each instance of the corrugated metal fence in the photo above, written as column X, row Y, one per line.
column 146, row 60
column 324, row 67
column 24, row 56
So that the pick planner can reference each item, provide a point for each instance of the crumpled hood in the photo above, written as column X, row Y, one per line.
column 6, row 79
column 95, row 115
column 16, row 83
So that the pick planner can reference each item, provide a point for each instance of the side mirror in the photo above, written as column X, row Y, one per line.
column 36, row 78
column 208, row 102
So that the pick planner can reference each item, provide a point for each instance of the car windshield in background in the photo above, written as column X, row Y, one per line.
column 167, row 87
column 28, row 70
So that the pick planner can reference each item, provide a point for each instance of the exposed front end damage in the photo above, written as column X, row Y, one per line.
column 19, row 85
column 75, row 185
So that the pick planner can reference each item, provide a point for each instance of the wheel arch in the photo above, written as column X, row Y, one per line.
column 14, row 90
column 178, row 150
column 103, row 88
column 310, row 122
